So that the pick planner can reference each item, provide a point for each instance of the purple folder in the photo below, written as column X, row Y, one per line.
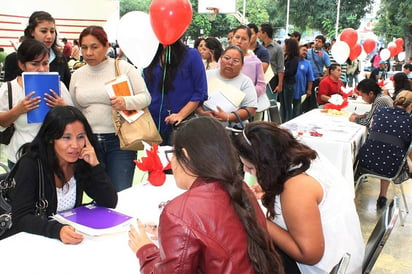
column 95, row 217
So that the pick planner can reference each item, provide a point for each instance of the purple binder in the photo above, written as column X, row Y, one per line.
column 95, row 217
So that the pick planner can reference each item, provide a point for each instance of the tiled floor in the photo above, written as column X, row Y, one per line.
column 396, row 256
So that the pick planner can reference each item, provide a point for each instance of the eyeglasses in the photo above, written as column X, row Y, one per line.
column 235, row 61
column 169, row 154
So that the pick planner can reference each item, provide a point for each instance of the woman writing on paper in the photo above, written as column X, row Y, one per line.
column 216, row 226
column 32, row 56
column 310, row 208
column 89, row 94
column 230, row 73
column 65, row 148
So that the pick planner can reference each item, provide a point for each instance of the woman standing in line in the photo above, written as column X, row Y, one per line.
column 87, row 89
column 32, row 56
column 42, row 27
column 176, row 80
column 291, row 49
column 252, row 66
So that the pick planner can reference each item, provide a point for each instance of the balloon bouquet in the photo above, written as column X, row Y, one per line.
column 139, row 35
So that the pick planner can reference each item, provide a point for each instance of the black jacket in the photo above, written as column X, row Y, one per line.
column 95, row 183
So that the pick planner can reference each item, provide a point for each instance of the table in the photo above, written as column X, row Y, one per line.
column 335, row 137
column 29, row 253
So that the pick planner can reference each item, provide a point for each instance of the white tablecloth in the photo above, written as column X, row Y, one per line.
column 340, row 140
column 28, row 253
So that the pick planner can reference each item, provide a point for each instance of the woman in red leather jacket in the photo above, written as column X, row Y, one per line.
column 216, row 226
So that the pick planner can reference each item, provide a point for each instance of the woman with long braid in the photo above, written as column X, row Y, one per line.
column 216, row 226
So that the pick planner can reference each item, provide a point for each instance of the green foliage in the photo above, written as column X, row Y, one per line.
column 132, row 5
column 393, row 19
column 303, row 15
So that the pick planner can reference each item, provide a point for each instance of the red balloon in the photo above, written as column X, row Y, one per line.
column 399, row 49
column 355, row 51
column 369, row 45
column 350, row 36
column 399, row 42
column 393, row 50
column 170, row 19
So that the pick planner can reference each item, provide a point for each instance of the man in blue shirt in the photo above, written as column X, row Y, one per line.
column 304, row 81
column 319, row 60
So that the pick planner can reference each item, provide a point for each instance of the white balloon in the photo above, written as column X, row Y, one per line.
column 340, row 52
column 136, row 38
column 363, row 55
column 391, row 44
column 385, row 54
column 401, row 56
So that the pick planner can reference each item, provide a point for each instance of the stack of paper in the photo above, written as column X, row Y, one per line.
column 222, row 95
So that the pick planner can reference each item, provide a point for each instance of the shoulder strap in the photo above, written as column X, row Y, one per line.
column 10, row 95
column 117, row 67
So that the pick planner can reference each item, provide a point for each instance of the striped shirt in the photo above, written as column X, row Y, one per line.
column 381, row 100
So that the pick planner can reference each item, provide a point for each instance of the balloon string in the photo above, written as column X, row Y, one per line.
column 165, row 63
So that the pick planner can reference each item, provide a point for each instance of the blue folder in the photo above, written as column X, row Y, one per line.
column 40, row 83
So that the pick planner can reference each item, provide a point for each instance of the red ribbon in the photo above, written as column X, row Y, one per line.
column 153, row 165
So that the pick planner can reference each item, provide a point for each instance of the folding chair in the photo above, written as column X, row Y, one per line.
column 341, row 267
column 400, row 177
column 380, row 235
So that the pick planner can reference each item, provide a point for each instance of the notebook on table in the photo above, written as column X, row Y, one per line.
column 94, row 220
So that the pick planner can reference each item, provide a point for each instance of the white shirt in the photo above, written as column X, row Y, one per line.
column 340, row 221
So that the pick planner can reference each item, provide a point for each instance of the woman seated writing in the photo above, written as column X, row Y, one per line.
column 389, row 137
column 310, row 208
column 229, row 73
column 216, row 226
column 65, row 149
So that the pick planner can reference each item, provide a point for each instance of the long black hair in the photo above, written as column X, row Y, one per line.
column 276, row 155
column 53, row 127
column 211, row 156
column 178, row 52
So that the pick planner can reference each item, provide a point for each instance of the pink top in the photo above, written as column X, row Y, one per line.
column 252, row 68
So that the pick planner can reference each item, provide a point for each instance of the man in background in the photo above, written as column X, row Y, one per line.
column 67, row 49
column 277, row 61
column 295, row 35
column 319, row 61
column 260, row 51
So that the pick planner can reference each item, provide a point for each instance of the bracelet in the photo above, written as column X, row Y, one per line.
column 228, row 118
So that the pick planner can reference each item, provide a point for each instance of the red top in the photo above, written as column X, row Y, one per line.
column 199, row 231
column 328, row 87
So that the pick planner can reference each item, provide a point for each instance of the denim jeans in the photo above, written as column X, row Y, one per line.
column 286, row 98
column 118, row 163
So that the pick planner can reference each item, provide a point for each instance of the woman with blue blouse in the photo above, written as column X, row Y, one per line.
column 389, row 137
column 176, row 80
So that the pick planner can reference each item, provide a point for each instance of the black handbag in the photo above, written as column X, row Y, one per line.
column 7, row 182
column 5, row 136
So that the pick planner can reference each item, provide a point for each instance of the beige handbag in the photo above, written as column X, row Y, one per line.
column 132, row 134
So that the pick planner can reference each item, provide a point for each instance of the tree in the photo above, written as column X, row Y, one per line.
column 319, row 14
column 394, row 21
